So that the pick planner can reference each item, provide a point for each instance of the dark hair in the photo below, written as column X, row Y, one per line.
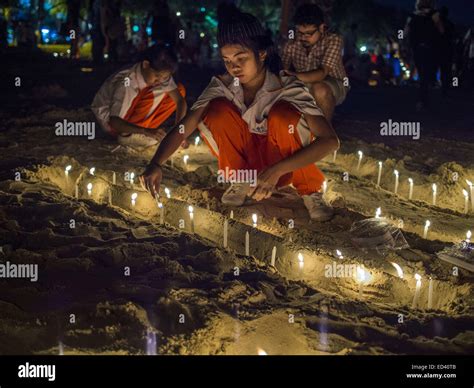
column 236, row 27
column 309, row 14
column 161, row 57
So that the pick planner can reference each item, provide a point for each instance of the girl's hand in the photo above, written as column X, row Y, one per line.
column 266, row 182
column 151, row 179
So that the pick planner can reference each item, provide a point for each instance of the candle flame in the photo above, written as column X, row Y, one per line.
column 380, row 164
column 132, row 176
column 361, row 154
column 196, row 140
column 378, row 212
column 300, row 257
column 134, row 196
column 417, row 277
column 465, row 193
column 160, row 205
column 89, row 186
column 468, row 235
column 190, row 209
column 254, row 218
column 362, row 274
column 262, row 352
column 410, row 180
column 427, row 223
column 68, row 168
column 339, row 254
column 469, row 183
column 399, row 270
column 167, row 192
column 435, row 188
column 396, row 172
column 185, row 159
column 92, row 170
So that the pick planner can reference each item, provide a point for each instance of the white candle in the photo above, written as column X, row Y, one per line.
column 361, row 155
column 247, row 244
column 325, row 186
column 471, row 189
column 378, row 212
column 396, row 180
column 435, row 190
column 67, row 169
column 300, row 261
column 417, row 290
column 109, row 192
column 334, row 156
column 61, row 349
column 226, row 231
column 185, row 160
column 274, row 253
column 231, row 214
column 167, row 192
column 379, row 176
column 132, row 177
column 468, row 236
column 134, row 198
column 89, row 188
column 466, row 201
column 76, row 191
column 254, row 220
column 196, row 141
column 427, row 226
column 361, row 278
column 92, row 170
column 430, row 294
column 162, row 213
column 191, row 217
column 114, row 178
column 410, row 192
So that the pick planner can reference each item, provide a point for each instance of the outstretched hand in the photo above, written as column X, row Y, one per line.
column 151, row 179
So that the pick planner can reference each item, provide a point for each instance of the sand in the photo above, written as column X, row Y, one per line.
column 119, row 275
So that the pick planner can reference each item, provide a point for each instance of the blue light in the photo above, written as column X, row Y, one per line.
column 148, row 30
column 135, row 28
column 45, row 30
column 363, row 49
column 203, row 9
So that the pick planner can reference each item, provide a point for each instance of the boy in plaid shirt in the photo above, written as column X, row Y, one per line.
column 316, row 57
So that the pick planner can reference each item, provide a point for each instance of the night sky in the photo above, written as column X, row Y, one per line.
column 461, row 11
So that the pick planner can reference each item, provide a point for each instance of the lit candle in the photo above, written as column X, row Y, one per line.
column 254, row 220
column 300, row 261
column 410, row 192
column 114, row 178
column 334, row 156
column 191, row 217
column 325, row 186
column 466, row 201
column 185, row 160
column 471, row 189
column 379, row 176
column 92, row 170
column 396, row 180
column 231, row 214
column 196, row 141
column 417, row 290
column 361, row 278
column 430, row 294
column 89, row 188
column 61, row 349
column 247, row 244
column 76, row 191
column 435, row 190
column 167, row 192
column 262, row 352
column 361, row 155
column 226, row 231
column 162, row 213
column 274, row 254
column 399, row 270
column 468, row 236
column 427, row 226
column 134, row 198
column 378, row 212
column 132, row 177
column 67, row 169
column 339, row 254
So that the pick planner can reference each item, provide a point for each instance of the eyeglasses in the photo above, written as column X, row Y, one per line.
column 306, row 34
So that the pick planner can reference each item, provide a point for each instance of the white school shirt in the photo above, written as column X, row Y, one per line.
column 289, row 89
column 116, row 95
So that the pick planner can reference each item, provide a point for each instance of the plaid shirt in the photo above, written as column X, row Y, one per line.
column 327, row 51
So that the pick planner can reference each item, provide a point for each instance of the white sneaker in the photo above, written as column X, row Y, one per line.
column 317, row 207
column 235, row 194
column 137, row 140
